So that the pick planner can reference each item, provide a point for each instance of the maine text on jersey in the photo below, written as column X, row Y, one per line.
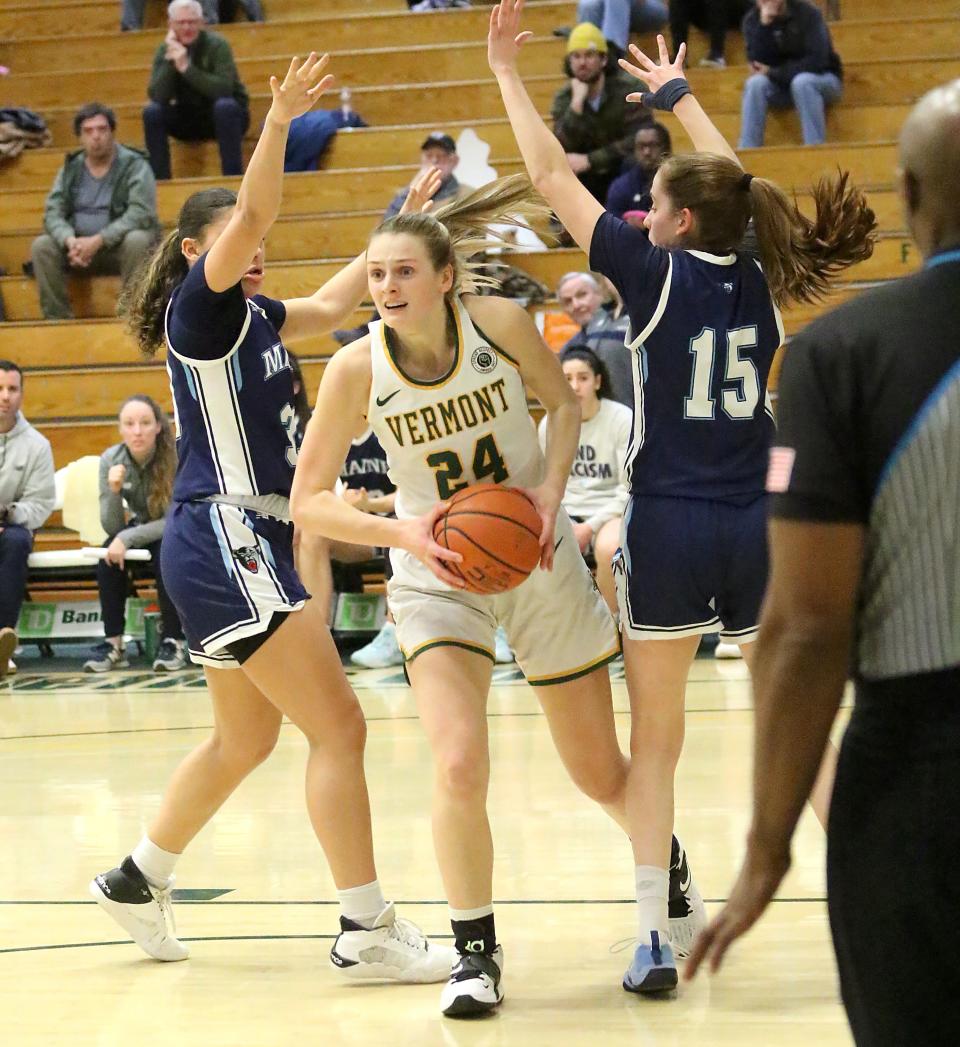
column 452, row 415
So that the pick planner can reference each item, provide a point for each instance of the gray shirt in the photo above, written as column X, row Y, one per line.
column 139, row 530
column 91, row 204
column 27, row 489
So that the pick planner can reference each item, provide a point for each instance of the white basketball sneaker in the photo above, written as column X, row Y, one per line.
column 687, row 913
column 475, row 986
column 143, row 911
column 394, row 950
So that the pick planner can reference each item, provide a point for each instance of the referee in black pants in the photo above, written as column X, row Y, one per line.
column 865, row 572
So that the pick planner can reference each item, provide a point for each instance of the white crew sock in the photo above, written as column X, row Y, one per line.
column 362, row 904
column 155, row 863
column 472, row 914
column 653, row 886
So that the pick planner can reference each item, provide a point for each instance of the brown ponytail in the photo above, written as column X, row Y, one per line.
column 144, row 299
column 800, row 257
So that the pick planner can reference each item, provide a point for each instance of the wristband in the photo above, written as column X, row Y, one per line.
column 668, row 95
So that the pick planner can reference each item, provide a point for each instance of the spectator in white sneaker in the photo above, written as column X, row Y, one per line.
column 136, row 481
column 26, row 498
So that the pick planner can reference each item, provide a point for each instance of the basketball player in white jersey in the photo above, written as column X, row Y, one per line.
column 441, row 378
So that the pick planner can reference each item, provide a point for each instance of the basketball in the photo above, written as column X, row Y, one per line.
column 497, row 532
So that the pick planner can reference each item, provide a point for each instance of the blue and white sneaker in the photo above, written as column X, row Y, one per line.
column 653, row 969
column 502, row 653
column 381, row 652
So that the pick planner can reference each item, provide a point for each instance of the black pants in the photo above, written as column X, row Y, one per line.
column 893, row 867
column 714, row 17
column 16, row 543
column 114, row 584
column 225, row 120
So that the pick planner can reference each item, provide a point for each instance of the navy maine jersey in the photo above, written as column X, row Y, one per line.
column 232, row 392
column 366, row 465
column 703, row 333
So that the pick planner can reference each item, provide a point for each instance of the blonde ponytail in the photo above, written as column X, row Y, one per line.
column 458, row 232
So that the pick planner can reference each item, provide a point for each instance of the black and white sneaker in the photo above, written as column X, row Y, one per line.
column 685, row 907
column 143, row 911
column 106, row 656
column 394, row 949
column 476, row 985
column 170, row 656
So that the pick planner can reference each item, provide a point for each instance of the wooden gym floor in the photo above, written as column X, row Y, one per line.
column 83, row 761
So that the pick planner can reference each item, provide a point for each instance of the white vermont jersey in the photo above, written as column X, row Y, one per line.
column 470, row 426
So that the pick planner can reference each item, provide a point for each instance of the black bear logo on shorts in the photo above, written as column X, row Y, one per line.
column 248, row 558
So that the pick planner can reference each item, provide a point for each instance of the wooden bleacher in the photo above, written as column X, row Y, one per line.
column 430, row 67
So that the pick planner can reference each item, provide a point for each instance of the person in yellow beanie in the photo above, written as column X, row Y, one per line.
column 586, row 37
column 591, row 116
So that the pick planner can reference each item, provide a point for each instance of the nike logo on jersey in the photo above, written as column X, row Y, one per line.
column 387, row 399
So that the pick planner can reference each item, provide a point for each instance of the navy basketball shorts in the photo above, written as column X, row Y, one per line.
column 688, row 566
column 228, row 571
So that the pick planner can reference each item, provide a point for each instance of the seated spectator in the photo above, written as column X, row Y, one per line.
column 596, row 493
column 27, row 496
column 616, row 19
column 714, row 17
column 592, row 118
column 100, row 216
column 794, row 63
column 629, row 194
column 581, row 297
column 136, row 482
column 195, row 92
column 437, row 150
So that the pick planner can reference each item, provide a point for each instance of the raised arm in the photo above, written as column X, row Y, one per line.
column 258, row 201
column 542, row 153
column 669, row 91
column 328, row 307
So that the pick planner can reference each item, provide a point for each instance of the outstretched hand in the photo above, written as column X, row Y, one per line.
column 505, row 37
column 655, row 74
column 755, row 887
column 422, row 191
column 301, row 87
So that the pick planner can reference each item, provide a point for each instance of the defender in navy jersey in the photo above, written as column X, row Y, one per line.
column 704, row 328
column 228, row 557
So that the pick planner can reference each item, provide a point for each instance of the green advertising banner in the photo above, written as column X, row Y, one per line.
column 75, row 619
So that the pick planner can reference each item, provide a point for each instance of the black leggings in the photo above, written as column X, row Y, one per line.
column 893, row 863
column 712, row 16
column 114, row 584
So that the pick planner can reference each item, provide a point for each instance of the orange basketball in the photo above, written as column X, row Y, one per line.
column 497, row 532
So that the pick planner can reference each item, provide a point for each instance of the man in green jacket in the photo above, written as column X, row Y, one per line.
column 100, row 216
column 195, row 92
column 591, row 117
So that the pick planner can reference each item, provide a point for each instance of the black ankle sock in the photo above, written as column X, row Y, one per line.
column 473, row 936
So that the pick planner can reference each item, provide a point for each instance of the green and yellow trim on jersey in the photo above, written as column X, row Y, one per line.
column 447, row 641
column 574, row 674
column 502, row 353
column 436, row 383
